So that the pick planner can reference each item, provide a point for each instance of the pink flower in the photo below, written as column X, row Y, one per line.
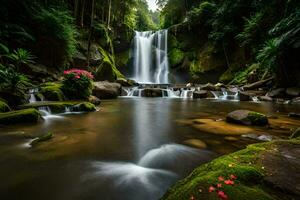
column 77, row 77
column 221, row 178
column 222, row 195
column 211, row 189
column 229, row 182
column 219, row 185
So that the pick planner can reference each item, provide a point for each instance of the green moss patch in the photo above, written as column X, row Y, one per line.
column 30, row 115
column 246, row 165
column 42, row 138
column 4, row 107
column 52, row 91
column 59, row 107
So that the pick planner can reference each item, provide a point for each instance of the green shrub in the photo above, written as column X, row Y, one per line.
column 58, row 25
column 77, row 84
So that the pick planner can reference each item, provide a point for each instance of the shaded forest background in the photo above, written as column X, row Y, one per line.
column 231, row 41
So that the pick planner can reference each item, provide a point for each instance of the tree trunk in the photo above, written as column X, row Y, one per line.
column 91, row 33
column 109, row 13
column 76, row 10
column 82, row 13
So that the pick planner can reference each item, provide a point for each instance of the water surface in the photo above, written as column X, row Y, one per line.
column 133, row 148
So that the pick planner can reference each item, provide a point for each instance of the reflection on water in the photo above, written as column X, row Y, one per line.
column 130, row 149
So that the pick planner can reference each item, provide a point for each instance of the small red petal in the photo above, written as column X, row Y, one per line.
column 221, row 178
column 229, row 182
column 233, row 177
column 211, row 189
column 219, row 185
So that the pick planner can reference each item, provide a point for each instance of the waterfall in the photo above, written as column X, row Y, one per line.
column 32, row 93
column 151, row 63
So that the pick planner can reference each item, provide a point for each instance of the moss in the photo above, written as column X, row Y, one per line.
column 30, row 115
column 257, row 118
column 59, row 107
column 52, row 91
column 42, row 138
column 245, row 164
column 122, row 58
column 227, row 76
column 176, row 57
column 4, row 107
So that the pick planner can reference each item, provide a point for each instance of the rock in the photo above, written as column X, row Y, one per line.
column 126, row 82
column 4, row 107
column 244, row 96
column 20, row 116
column 52, row 91
column 296, row 133
column 295, row 115
column 60, row 107
column 210, row 94
column 293, row 91
column 210, row 87
column 276, row 93
column 152, row 92
column 94, row 100
column 106, row 90
column 220, row 85
column 42, row 138
column 247, row 117
column 296, row 100
column 200, row 94
column 264, row 138
column 196, row 143
column 189, row 85
column 258, row 84
column 265, row 98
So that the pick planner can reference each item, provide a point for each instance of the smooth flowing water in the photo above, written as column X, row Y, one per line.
column 151, row 63
column 133, row 148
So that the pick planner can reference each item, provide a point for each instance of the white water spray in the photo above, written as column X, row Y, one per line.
column 149, row 46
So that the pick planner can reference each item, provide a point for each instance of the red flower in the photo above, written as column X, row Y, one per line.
column 221, row 178
column 219, row 185
column 77, row 76
column 229, row 182
column 211, row 189
column 222, row 195
column 233, row 177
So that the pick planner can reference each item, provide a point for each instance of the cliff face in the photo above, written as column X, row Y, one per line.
column 193, row 54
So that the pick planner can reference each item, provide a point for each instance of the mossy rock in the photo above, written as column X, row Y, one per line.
column 52, row 91
column 42, row 138
column 246, row 165
column 29, row 115
column 59, row 107
column 4, row 107
column 176, row 57
column 247, row 117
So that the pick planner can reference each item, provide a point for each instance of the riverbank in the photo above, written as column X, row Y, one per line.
column 261, row 171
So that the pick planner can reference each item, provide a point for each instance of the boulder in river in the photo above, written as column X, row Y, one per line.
column 247, row 117
column 106, row 90
column 94, row 100
column 276, row 93
column 293, row 91
column 200, row 94
column 30, row 115
column 126, row 82
column 152, row 92
column 244, row 96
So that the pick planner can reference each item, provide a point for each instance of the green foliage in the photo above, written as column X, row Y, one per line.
column 267, row 55
column 4, row 107
column 58, row 25
column 12, row 82
column 77, row 84
column 251, row 29
column 202, row 13
column 176, row 57
column 21, row 56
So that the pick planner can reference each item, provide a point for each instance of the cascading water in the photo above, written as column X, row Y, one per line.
column 150, row 46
